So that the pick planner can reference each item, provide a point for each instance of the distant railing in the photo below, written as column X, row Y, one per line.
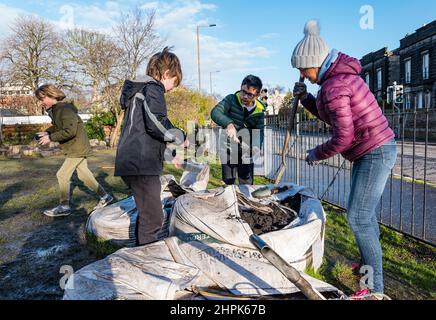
column 33, row 119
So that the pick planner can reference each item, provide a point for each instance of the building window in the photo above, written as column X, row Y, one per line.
column 367, row 78
column 379, row 79
column 427, row 101
column 408, row 70
column 425, row 65
column 420, row 101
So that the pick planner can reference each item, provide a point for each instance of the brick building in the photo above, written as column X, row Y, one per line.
column 16, row 100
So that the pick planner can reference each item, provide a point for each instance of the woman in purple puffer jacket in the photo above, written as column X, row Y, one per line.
column 360, row 133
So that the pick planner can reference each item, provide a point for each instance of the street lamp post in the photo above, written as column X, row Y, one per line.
column 211, row 88
column 198, row 52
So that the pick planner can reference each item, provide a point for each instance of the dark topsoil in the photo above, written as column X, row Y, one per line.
column 261, row 222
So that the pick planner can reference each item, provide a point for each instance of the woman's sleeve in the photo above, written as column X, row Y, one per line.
column 310, row 104
column 336, row 102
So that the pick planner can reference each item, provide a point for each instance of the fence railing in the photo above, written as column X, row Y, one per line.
column 408, row 202
column 33, row 119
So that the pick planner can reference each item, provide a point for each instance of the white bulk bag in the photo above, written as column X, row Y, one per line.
column 116, row 223
column 173, row 269
column 216, row 215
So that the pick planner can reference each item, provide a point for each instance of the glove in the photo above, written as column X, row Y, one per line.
column 300, row 89
column 311, row 158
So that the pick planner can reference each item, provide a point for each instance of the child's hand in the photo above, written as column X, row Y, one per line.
column 178, row 162
column 186, row 144
column 44, row 140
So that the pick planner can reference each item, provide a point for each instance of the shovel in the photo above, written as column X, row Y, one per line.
column 286, row 269
column 285, row 149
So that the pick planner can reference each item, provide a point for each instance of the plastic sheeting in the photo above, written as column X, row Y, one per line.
column 169, row 269
column 208, row 247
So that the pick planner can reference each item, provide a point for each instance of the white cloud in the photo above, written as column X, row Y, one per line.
column 150, row 5
column 176, row 21
column 8, row 16
column 93, row 17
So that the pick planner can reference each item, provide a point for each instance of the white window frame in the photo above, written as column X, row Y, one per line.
column 367, row 78
column 379, row 73
column 420, row 98
column 408, row 70
column 407, row 101
column 427, row 100
column 425, row 65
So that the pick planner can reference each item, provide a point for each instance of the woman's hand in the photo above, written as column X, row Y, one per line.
column 311, row 158
column 300, row 89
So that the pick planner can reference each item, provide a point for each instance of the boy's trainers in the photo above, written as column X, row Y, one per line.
column 59, row 211
column 104, row 201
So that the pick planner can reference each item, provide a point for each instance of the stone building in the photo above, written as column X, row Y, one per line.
column 412, row 65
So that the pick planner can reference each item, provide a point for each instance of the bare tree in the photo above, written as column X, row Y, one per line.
column 136, row 35
column 92, row 56
column 137, row 38
column 2, row 78
column 111, row 96
column 30, row 52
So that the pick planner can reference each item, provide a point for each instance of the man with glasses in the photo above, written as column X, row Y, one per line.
column 242, row 115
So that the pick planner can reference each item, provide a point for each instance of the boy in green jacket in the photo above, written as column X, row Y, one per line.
column 69, row 131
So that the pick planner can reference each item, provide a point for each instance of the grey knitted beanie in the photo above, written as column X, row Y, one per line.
column 312, row 50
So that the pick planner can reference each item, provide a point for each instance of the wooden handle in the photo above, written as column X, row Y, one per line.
column 285, row 148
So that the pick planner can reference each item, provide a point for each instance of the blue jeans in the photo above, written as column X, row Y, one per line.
column 369, row 176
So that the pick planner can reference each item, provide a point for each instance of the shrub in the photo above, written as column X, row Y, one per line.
column 95, row 125
column 186, row 105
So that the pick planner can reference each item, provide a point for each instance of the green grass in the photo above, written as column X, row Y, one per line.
column 409, row 265
column 3, row 239
column 101, row 248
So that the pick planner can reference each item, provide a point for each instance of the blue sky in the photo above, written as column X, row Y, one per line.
column 251, row 36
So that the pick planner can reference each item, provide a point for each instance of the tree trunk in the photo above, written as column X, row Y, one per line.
column 94, row 97
column 117, row 130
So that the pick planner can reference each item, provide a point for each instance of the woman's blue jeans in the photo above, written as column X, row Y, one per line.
column 368, row 180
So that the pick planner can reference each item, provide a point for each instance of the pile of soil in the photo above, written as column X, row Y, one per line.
column 262, row 221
